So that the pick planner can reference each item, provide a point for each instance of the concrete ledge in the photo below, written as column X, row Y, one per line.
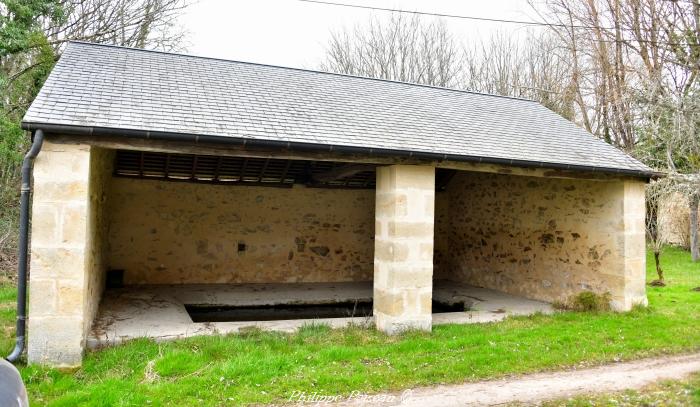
column 158, row 312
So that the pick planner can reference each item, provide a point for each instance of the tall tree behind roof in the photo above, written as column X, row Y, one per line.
column 404, row 48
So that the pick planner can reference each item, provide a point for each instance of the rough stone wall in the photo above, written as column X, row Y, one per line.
column 403, row 260
column 171, row 232
column 548, row 238
column 101, row 165
column 441, row 264
column 58, row 297
column 674, row 220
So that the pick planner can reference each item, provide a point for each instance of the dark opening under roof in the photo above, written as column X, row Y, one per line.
column 273, row 172
column 99, row 90
column 242, row 170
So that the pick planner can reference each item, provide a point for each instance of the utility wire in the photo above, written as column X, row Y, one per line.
column 496, row 20
column 425, row 13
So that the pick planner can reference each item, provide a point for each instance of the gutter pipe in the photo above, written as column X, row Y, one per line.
column 64, row 129
column 24, row 245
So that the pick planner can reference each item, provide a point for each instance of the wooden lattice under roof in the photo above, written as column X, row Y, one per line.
column 242, row 170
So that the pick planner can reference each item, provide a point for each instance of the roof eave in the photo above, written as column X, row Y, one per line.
column 76, row 130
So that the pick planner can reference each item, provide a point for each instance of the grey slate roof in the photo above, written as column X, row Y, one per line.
column 114, row 87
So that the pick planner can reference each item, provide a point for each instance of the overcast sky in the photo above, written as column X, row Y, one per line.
column 294, row 33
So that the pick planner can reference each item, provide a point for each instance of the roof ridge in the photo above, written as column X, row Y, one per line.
column 302, row 70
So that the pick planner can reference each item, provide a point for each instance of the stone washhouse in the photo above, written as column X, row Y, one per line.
column 176, row 195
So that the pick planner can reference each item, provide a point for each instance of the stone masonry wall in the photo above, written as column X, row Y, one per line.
column 97, row 250
column 58, row 286
column 441, row 263
column 173, row 232
column 548, row 238
column 403, row 260
column 674, row 220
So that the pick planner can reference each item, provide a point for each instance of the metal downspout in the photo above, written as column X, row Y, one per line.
column 24, row 245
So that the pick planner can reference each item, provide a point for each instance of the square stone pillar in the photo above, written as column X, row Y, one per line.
column 59, row 255
column 403, row 248
column 632, row 248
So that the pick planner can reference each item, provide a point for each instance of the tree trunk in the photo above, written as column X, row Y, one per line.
column 694, row 244
column 657, row 261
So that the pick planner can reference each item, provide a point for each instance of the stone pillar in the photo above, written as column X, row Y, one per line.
column 632, row 246
column 403, row 248
column 58, row 276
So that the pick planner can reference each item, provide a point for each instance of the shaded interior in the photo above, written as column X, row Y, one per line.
column 278, row 312
column 189, row 219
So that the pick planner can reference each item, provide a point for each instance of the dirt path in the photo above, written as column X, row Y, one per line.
column 542, row 386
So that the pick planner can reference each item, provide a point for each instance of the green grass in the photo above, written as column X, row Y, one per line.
column 259, row 367
column 8, row 299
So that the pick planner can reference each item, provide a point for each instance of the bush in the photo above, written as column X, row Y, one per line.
column 12, row 143
column 586, row 301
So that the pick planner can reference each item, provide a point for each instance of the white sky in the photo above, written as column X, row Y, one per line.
column 294, row 33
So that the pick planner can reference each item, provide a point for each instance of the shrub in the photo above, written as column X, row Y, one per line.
column 586, row 301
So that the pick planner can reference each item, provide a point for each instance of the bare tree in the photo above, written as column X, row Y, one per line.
column 134, row 23
column 694, row 244
column 656, row 192
column 600, row 78
column 534, row 69
column 411, row 49
column 638, row 83
column 404, row 48
column 689, row 185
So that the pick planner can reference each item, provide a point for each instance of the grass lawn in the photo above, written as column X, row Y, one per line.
column 261, row 367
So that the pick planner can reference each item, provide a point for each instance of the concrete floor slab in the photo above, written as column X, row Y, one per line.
column 159, row 312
